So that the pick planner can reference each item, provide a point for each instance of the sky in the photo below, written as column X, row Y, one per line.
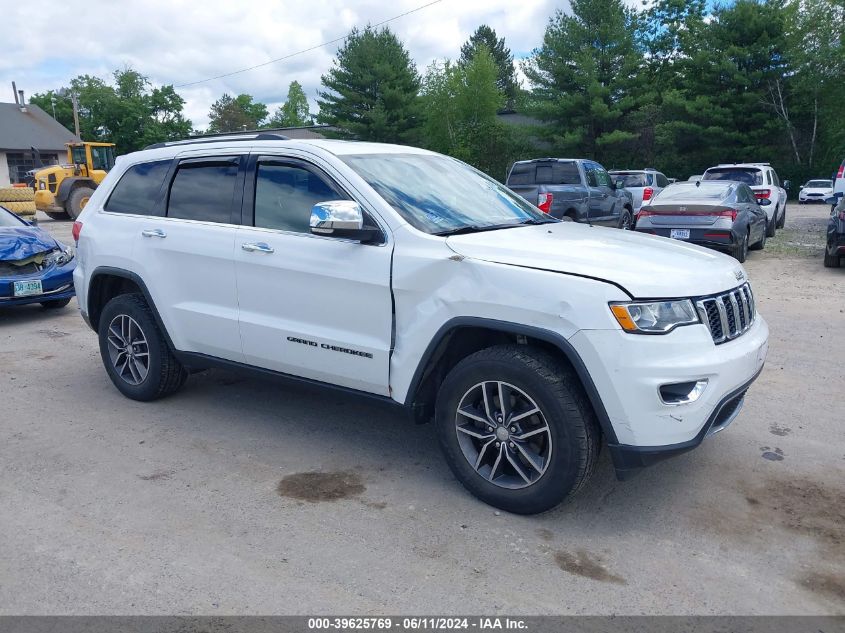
column 180, row 42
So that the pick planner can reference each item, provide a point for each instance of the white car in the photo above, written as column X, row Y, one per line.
column 643, row 184
column 815, row 191
column 411, row 278
column 765, row 184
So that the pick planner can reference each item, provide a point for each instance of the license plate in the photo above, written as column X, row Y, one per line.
column 27, row 288
column 679, row 234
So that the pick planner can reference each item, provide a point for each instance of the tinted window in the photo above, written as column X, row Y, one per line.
column 545, row 175
column 203, row 191
column 688, row 191
column 284, row 195
column 550, row 173
column 775, row 178
column 137, row 190
column 521, row 174
column 748, row 175
column 631, row 180
column 662, row 181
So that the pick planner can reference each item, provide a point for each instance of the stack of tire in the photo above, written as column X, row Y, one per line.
column 20, row 200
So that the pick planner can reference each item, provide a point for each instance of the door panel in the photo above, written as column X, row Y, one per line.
column 310, row 306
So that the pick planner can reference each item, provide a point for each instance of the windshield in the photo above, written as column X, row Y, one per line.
column 688, row 191
column 820, row 184
column 631, row 180
column 748, row 175
column 7, row 219
column 438, row 194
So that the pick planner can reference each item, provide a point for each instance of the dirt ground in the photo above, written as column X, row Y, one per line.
column 243, row 496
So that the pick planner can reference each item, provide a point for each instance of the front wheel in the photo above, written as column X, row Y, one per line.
column 782, row 219
column 515, row 428
column 770, row 227
column 134, row 351
column 761, row 244
column 831, row 261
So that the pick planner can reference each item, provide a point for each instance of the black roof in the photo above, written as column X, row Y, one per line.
column 20, row 131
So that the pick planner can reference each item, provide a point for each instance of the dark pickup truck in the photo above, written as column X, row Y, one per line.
column 576, row 189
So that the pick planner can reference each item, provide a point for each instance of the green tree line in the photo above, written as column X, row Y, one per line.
column 674, row 85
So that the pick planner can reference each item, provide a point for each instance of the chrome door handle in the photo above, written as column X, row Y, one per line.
column 261, row 247
column 153, row 233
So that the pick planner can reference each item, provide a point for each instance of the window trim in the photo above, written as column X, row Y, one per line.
column 204, row 161
column 247, row 215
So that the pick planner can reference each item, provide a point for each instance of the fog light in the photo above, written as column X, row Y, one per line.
column 682, row 392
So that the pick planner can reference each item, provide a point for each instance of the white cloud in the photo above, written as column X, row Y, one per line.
column 177, row 41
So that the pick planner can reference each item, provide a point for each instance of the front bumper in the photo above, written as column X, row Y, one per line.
column 629, row 369
column 56, row 282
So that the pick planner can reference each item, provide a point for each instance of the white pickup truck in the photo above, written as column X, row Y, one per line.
column 410, row 277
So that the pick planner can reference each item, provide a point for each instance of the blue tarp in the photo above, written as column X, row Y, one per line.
column 24, row 242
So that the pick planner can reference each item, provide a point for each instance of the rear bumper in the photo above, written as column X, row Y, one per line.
column 720, row 239
column 629, row 460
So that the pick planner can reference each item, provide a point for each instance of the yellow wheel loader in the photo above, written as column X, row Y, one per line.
column 62, row 191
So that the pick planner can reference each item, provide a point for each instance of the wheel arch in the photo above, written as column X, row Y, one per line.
column 69, row 184
column 106, row 283
column 477, row 333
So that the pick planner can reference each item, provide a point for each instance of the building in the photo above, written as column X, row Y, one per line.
column 23, row 128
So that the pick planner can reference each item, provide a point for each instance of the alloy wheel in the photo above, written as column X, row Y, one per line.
column 503, row 434
column 128, row 349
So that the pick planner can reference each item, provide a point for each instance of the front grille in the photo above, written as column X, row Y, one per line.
column 8, row 269
column 728, row 315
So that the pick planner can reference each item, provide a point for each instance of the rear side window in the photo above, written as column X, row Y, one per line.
column 551, row 173
column 662, row 181
column 632, row 180
column 137, row 190
column 203, row 191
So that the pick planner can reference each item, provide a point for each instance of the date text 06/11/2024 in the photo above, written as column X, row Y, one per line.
column 417, row 623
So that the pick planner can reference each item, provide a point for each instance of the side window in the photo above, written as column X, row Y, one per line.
column 137, row 190
column 284, row 195
column 567, row 174
column 603, row 178
column 742, row 194
column 775, row 179
column 592, row 181
column 662, row 181
column 768, row 177
column 203, row 191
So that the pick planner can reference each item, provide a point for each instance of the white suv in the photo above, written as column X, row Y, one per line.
column 765, row 184
column 410, row 277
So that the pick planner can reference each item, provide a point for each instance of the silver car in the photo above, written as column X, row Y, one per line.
column 643, row 184
column 715, row 213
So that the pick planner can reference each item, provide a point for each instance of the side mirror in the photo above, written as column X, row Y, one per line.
column 786, row 184
column 343, row 219
column 764, row 202
column 801, row 187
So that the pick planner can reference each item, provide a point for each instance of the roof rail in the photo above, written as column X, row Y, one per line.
column 247, row 135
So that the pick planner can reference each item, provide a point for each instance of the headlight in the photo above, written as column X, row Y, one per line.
column 59, row 258
column 654, row 317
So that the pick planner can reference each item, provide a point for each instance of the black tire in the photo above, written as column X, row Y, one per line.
column 55, row 304
column 741, row 251
column 164, row 375
column 57, row 215
column 77, row 200
column 831, row 261
column 770, row 227
column 626, row 222
column 782, row 218
column 573, row 436
column 760, row 244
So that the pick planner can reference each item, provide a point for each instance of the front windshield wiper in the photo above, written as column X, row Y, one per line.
column 475, row 228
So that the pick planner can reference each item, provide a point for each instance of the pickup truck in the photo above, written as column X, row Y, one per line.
column 574, row 189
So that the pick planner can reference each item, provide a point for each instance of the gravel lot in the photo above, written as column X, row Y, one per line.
column 191, row 505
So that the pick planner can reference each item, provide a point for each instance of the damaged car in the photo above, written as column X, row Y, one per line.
column 34, row 267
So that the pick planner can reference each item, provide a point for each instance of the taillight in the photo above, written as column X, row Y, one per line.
column 645, row 212
column 763, row 193
column 841, row 171
column 727, row 213
column 648, row 192
column 77, row 229
column 544, row 202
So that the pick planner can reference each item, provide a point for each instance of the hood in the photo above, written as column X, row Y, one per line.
column 24, row 242
column 645, row 266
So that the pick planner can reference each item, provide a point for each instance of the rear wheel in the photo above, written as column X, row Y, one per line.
column 135, row 352
column 831, row 261
column 77, row 200
column 770, row 227
column 515, row 428
column 761, row 244
column 626, row 222
column 741, row 250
